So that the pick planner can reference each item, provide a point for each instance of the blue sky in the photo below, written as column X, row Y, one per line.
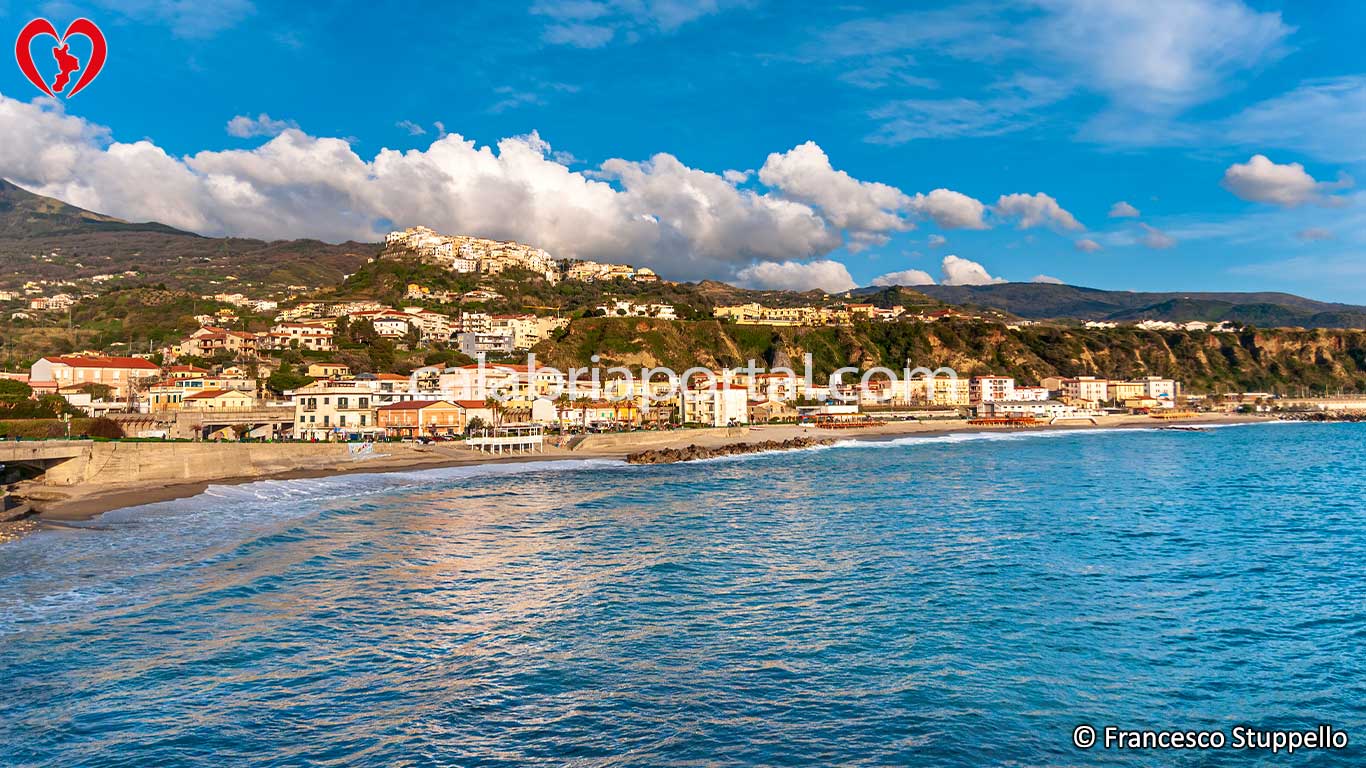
column 605, row 129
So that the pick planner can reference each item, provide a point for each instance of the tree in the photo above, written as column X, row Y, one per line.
column 286, row 378
column 14, row 391
column 96, row 391
column 104, row 428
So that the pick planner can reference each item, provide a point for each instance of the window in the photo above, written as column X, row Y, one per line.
column 365, row 402
column 342, row 403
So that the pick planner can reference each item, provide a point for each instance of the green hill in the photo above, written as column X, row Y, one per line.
column 1264, row 360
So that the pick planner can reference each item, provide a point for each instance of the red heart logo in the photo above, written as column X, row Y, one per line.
column 67, row 64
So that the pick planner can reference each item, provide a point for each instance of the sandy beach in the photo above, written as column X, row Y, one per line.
column 84, row 502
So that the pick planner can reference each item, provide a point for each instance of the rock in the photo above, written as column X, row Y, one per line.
column 696, row 452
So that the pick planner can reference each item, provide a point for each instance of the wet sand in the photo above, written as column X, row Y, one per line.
column 81, row 503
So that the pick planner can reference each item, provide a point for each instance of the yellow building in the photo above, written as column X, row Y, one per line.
column 218, row 400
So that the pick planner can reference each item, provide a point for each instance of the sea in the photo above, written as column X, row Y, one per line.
column 965, row 600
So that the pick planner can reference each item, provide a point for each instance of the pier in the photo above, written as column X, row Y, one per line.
column 514, row 438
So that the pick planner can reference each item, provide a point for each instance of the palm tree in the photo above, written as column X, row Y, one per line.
column 495, row 405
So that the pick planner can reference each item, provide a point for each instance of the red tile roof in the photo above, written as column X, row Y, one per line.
column 105, row 362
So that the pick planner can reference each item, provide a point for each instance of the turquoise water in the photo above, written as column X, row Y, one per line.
column 960, row 601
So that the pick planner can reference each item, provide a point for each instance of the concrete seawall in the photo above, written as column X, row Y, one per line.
column 119, row 463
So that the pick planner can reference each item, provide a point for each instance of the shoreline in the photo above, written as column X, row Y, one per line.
column 88, row 503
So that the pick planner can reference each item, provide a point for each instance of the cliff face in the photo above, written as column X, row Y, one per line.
column 1264, row 360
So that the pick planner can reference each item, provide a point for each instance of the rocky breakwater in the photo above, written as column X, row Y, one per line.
column 696, row 452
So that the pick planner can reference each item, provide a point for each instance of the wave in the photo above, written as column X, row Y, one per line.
column 276, row 493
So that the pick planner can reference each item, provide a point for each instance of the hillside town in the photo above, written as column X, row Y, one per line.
column 298, row 379
column 452, row 402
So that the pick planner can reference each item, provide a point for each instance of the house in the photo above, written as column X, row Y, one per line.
column 211, row 340
column 1031, row 393
column 328, row 370
column 218, row 400
column 316, row 337
column 474, row 343
column 179, row 372
column 771, row 410
column 121, row 374
column 417, row 418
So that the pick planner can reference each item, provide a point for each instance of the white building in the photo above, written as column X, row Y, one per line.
column 983, row 389
column 627, row 308
column 719, row 406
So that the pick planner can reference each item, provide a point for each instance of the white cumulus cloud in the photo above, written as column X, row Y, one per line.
column 1123, row 210
column 1035, row 210
column 960, row 271
column 686, row 222
column 804, row 174
column 904, row 277
column 246, row 127
column 1049, row 279
column 826, row 275
column 1288, row 185
column 1087, row 245
column 949, row 209
column 937, row 240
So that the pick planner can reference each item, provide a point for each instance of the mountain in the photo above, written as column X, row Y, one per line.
column 42, row 238
column 1045, row 301
column 24, row 215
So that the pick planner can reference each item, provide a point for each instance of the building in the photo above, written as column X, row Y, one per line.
column 334, row 411
column 1086, row 389
column 316, row 337
column 985, row 389
column 526, row 330
column 218, row 400
column 179, row 372
column 1159, row 388
column 210, row 341
column 719, row 406
column 328, row 370
column 599, row 414
column 1120, row 391
column 419, row 418
column 122, row 375
column 486, row 343
column 627, row 308
column 1031, row 393
column 1038, row 409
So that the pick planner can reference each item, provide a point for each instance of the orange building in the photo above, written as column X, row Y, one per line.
column 417, row 418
